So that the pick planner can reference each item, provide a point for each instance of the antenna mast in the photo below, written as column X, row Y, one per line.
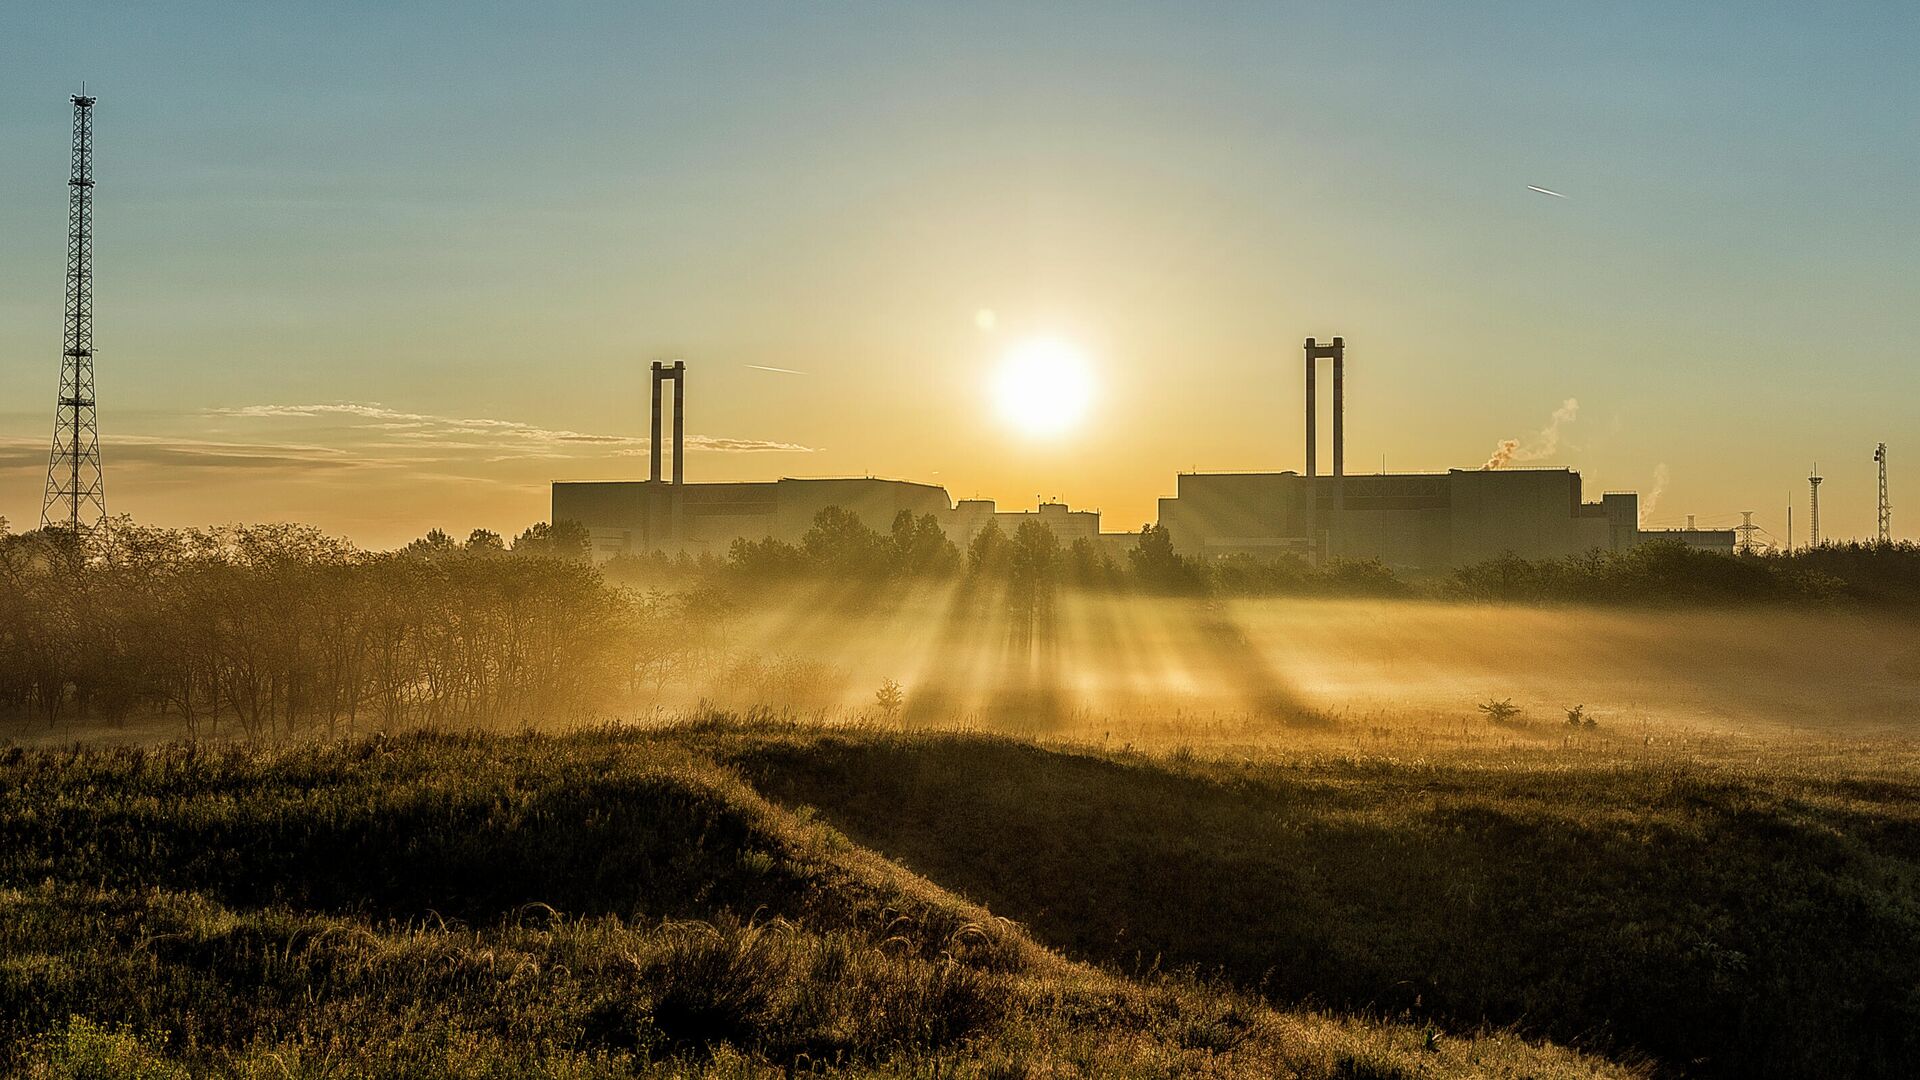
column 1886, row 508
column 76, row 497
column 1813, row 510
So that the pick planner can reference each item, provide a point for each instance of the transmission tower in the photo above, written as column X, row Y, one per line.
column 76, row 492
column 1886, row 508
column 1746, row 529
column 1813, row 509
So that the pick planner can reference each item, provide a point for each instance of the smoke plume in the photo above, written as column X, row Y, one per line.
column 1543, row 444
column 1653, row 496
column 1502, row 453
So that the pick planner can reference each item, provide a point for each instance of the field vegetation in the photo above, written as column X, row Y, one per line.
column 738, row 897
column 608, row 904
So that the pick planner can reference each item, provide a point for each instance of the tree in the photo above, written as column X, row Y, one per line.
column 1157, row 566
column 919, row 547
column 988, row 551
column 1088, row 564
column 839, row 543
column 1033, row 568
column 765, row 559
column 485, row 542
column 889, row 699
column 560, row 540
column 436, row 543
column 1500, row 711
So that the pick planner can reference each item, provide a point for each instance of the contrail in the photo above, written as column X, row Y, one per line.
column 1544, row 191
column 781, row 370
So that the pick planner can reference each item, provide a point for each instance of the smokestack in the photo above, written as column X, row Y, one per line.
column 1313, row 400
column 679, row 422
column 653, row 443
column 1337, row 352
column 1339, row 409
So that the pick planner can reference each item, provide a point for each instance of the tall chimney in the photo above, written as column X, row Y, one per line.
column 1313, row 401
column 653, row 444
column 679, row 422
column 1339, row 409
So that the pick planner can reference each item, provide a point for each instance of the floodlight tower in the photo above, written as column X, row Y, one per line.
column 76, row 496
column 1813, row 508
column 1886, row 508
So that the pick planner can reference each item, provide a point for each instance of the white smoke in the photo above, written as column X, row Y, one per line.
column 1502, row 453
column 1653, row 496
column 1543, row 444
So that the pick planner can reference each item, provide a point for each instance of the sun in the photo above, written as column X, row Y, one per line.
column 1043, row 387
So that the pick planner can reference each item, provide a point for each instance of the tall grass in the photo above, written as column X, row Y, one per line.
column 593, row 906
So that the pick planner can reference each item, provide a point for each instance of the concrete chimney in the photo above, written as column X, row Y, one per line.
column 1337, row 352
column 653, row 443
column 1339, row 408
column 1313, row 418
column 679, row 422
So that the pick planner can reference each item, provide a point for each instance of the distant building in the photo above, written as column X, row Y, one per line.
column 1422, row 521
column 630, row 517
column 1719, row 540
column 636, row 516
column 1410, row 521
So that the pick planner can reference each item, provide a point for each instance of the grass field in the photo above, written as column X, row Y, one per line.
column 745, row 898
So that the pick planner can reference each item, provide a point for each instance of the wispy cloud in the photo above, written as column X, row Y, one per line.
column 490, row 434
column 191, row 454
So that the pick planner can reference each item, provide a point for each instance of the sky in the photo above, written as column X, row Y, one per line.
column 388, row 267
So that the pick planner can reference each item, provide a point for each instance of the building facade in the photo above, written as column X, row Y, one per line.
column 1413, row 521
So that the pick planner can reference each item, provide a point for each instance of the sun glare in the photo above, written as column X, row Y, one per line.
column 1043, row 387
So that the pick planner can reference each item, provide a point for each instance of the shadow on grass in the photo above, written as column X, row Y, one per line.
column 1715, row 923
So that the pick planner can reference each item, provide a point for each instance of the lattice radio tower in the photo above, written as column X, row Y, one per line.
column 76, row 491
column 1886, row 508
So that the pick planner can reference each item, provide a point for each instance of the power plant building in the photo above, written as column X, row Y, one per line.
column 1427, row 521
column 1409, row 521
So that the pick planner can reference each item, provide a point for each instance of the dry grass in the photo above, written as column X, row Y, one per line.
column 597, row 905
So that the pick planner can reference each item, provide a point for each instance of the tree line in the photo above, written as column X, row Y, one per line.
column 1031, row 561
column 269, row 631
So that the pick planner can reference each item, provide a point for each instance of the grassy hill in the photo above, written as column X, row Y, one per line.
column 1726, row 920
column 746, row 899
column 596, row 905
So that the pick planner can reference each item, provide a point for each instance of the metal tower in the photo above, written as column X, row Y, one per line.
column 1813, row 510
column 76, row 496
column 1886, row 508
column 1746, row 529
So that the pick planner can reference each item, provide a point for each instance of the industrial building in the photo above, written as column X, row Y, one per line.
column 626, row 517
column 1410, row 521
column 1416, row 521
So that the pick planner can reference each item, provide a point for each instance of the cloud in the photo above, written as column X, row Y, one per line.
column 486, row 433
column 194, row 454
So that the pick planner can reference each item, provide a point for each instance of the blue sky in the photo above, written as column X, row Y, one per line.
column 489, row 218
